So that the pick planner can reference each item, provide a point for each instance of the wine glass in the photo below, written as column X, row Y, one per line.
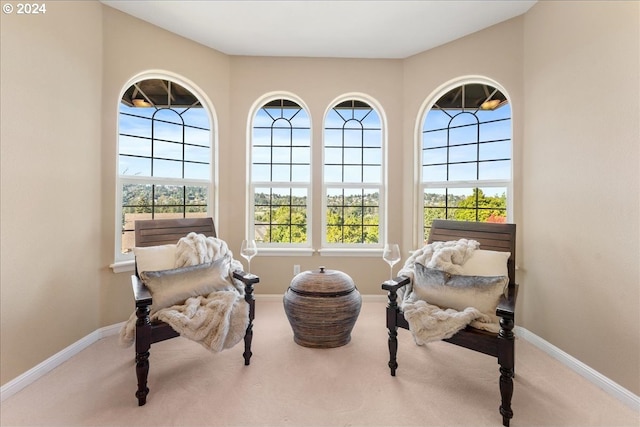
column 391, row 254
column 248, row 250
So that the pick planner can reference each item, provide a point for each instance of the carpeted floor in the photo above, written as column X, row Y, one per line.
column 289, row 385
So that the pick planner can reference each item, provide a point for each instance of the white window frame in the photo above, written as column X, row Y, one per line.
column 125, row 261
column 270, row 248
column 422, row 186
column 357, row 249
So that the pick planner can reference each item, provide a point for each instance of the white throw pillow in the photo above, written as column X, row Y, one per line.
column 458, row 292
column 154, row 258
column 174, row 286
column 486, row 263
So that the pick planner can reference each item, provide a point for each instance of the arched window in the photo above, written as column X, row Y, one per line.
column 164, row 156
column 280, row 174
column 353, row 175
column 465, row 155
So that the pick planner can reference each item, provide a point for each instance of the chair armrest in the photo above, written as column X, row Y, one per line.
column 395, row 284
column 507, row 304
column 247, row 278
column 140, row 292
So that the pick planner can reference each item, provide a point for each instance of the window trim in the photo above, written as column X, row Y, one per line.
column 123, row 262
column 430, row 100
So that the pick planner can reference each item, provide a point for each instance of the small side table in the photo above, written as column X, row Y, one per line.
column 322, row 307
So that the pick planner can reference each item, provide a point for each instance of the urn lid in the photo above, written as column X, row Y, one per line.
column 322, row 281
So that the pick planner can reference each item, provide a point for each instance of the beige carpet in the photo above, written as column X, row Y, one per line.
column 289, row 385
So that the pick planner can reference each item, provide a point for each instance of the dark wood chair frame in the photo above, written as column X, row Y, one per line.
column 161, row 232
column 496, row 237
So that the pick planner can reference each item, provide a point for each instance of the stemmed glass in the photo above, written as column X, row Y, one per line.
column 248, row 250
column 391, row 254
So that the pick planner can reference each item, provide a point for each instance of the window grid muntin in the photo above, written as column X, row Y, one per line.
column 357, row 116
column 280, row 111
column 264, row 230
column 152, row 178
column 427, row 146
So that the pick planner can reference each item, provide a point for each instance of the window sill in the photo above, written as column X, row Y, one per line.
column 123, row 266
column 354, row 252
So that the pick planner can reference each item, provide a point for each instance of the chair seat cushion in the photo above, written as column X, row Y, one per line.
column 458, row 292
column 173, row 286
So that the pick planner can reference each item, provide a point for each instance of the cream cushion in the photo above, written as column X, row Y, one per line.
column 486, row 263
column 154, row 258
column 458, row 292
column 176, row 285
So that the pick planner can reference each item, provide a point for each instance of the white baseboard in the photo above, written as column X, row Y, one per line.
column 595, row 377
column 606, row 384
column 33, row 374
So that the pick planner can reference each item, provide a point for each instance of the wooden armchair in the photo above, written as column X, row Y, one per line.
column 495, row 237
column 162, row 232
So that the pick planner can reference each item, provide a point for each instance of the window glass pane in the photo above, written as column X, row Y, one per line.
column 261, row 137
column 134, row 166
column 281, row 155
column 463, row 153
column 261, row 155
column 196, row 196
column 352, row 174
column 372, row 156
column 167, row 131
column 352, row 156
column 332, row 173
column 352, row 137
column 333, row 137
column 495, row 150
column 372, row 138
column 300, row 173
column 463, row 171
column 280, row 173
column 169, row 116
column 196, row 116
column 197, row 136
column 197, row 171
column 301, row 155
column 300, row 119
column 197, row 154
column 333, row 155
column 134, row 146
column 281, row 136
column 167, row 168
column 167, row 150
column 435, row 139
column 463, row 135
column 434, row 156
column 134, row 126
column 494, row 131
column 372, row 174
column 495, row 170
column 434, row 173
column 436, row 119
column 301, row 137
column 261, row 173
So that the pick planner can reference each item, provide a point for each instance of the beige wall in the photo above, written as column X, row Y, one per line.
column 50, row 174
column 581, row 191
column 532, row 57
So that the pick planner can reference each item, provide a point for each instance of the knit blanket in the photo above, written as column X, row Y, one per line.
column 218, row 320
column 428, row 322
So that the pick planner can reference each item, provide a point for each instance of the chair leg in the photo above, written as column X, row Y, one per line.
column 248, row 336
column 143, row 344
column 392, row 317
column 506, row 359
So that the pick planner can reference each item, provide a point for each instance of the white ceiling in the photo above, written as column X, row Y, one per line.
column 339, row 29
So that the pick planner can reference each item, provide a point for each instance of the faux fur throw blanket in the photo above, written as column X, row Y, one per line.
column 428, row 322
column 218, row 320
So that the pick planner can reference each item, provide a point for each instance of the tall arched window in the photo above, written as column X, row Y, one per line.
column 353, row 175
column 465, row 155
column 280, row 174
column 164, row 157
